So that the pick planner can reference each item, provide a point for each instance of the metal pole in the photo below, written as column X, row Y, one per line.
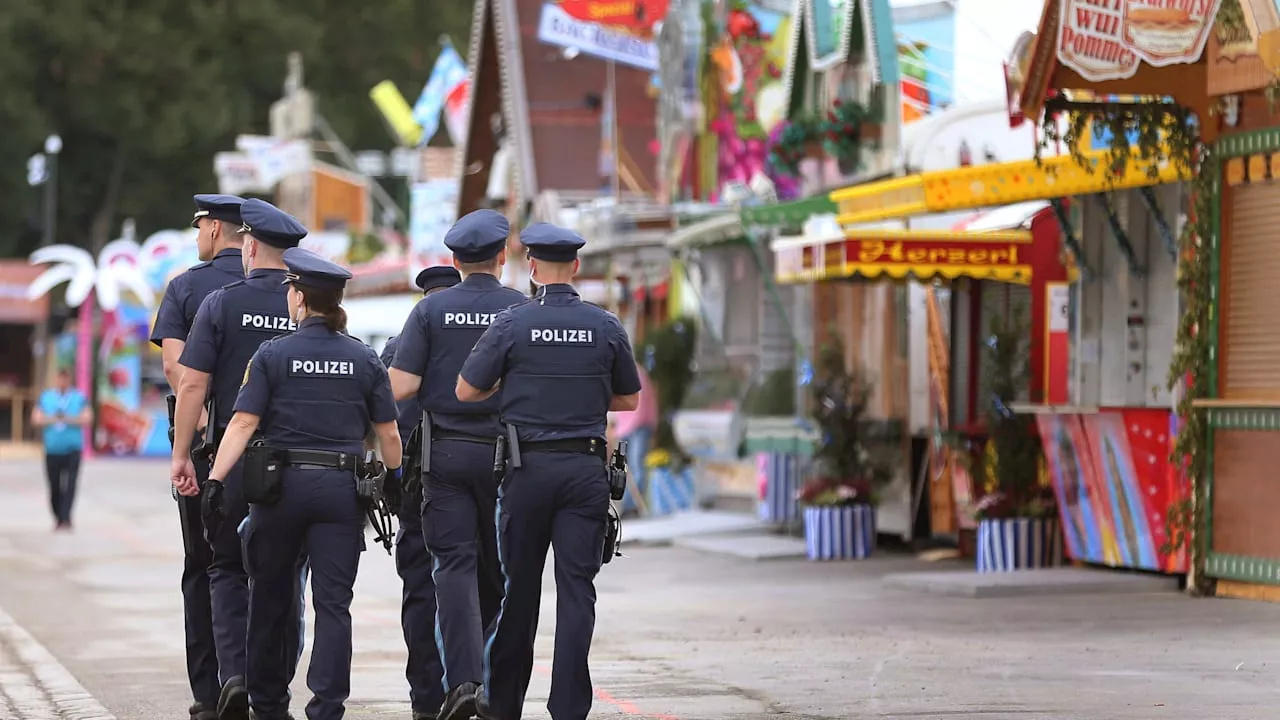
column 50, row 200
column 613, row 118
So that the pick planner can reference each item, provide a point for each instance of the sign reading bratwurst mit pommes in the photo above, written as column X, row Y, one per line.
column 1106, row 39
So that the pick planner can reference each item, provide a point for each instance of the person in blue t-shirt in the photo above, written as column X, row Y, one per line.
column 63, row 412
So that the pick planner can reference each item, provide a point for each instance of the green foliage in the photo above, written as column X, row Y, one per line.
column 842, row 129
column 668, row 353
column 364, row 247
column 144, row 93
column 851, row 470
column 1011, row 472
column 789, row 147
column 775, row 396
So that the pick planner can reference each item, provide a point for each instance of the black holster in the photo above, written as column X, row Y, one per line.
column 411, row 480
column 618, row 471
column 612, row 537
column 263, row 469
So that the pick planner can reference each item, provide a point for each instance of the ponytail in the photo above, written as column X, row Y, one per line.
column 327, row 304
column 336, row 320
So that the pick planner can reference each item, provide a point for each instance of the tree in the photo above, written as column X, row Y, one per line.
column 144, row 94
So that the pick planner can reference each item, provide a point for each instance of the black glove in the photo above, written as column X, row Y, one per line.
column 391, row 488
column 212, row 506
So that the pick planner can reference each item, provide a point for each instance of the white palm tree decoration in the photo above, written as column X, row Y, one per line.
column 117, row 269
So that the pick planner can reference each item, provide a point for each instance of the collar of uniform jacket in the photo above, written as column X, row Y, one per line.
column 481, row 281
column 228, row 254
column 266, row 272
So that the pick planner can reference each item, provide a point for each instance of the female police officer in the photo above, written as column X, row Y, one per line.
column 312, row 395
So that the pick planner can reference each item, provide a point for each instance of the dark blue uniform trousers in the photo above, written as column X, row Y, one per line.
column 557, row 500
column 202, row 658
column 418, row 610
column 318, row 513
column 228, row 581
column 458, row 517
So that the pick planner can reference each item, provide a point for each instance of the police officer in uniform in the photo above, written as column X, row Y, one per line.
column 313, row 395
column 562, row 365
column 459, row 489
column 218, row 242
column 230, row 325
column 418, row 604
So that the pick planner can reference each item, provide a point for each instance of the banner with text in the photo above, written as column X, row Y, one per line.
column 623, row 46
column 1106, row 39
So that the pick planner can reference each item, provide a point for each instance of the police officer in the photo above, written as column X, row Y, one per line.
column 459, row 489
column 562, row 365
column 218, row 221
column 418, row 605
column 230, row 325
column 313, row 395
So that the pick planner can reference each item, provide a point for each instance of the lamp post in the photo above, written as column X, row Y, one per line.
column 52, row 147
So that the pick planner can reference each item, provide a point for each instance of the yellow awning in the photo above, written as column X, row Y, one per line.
column 986, row 186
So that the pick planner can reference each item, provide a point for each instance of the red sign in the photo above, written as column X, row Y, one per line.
column 1106, row 39
column 636, row 16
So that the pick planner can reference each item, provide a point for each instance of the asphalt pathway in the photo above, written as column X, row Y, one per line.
column 91, row 629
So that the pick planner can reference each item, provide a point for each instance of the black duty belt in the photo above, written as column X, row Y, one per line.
column 438, row 434
column 324, row 459
column 585, row 446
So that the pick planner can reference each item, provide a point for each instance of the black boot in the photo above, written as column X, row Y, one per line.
column 234, row 702
column 482, row 705
column 199, row 712
column 460, row 703
column 424, row 715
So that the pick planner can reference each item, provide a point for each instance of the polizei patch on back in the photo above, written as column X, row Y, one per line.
column 314, row 368
column 562, row 336
column 267, row 323
column 471, row 320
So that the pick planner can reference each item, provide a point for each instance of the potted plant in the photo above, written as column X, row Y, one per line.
column 839, row 500
column 1017, row 515
column 667, row 355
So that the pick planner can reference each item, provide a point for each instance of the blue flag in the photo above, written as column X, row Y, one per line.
column 450, row 71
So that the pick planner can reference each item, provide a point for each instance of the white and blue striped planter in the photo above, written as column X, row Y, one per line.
column 840, row 533
column 1018, row 544
column 670, row 491
column 783, row 474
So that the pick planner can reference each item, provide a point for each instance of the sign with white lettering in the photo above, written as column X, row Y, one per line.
column 266, row 323
column 1106, row 39
column 471, row 320
column 557, row 27
column 561, row 336
column 309, row 367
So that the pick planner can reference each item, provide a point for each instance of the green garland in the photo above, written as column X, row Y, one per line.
column 1164, row 136
column 1186, row 524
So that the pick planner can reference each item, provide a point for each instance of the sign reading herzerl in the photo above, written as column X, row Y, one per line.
column 1106, row 39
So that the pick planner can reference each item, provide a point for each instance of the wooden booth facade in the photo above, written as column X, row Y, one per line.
column 1244, row 415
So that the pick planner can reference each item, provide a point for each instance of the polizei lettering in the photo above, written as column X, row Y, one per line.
column 562, row 336
column 468, row 319
column 269, row 323
column 306, row 367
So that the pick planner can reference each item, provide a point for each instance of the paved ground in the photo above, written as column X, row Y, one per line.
column 90, row 627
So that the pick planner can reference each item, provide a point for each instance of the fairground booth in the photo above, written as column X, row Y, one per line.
column 1017, row 234
column 1136, row 97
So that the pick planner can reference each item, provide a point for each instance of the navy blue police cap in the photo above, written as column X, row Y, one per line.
column 438, row 276
column 217, row 207
column 551, row 243
column 270, row 224
column 308, row 268
column 478, row 236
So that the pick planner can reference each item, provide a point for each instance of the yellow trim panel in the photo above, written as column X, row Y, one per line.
column 991, row 185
